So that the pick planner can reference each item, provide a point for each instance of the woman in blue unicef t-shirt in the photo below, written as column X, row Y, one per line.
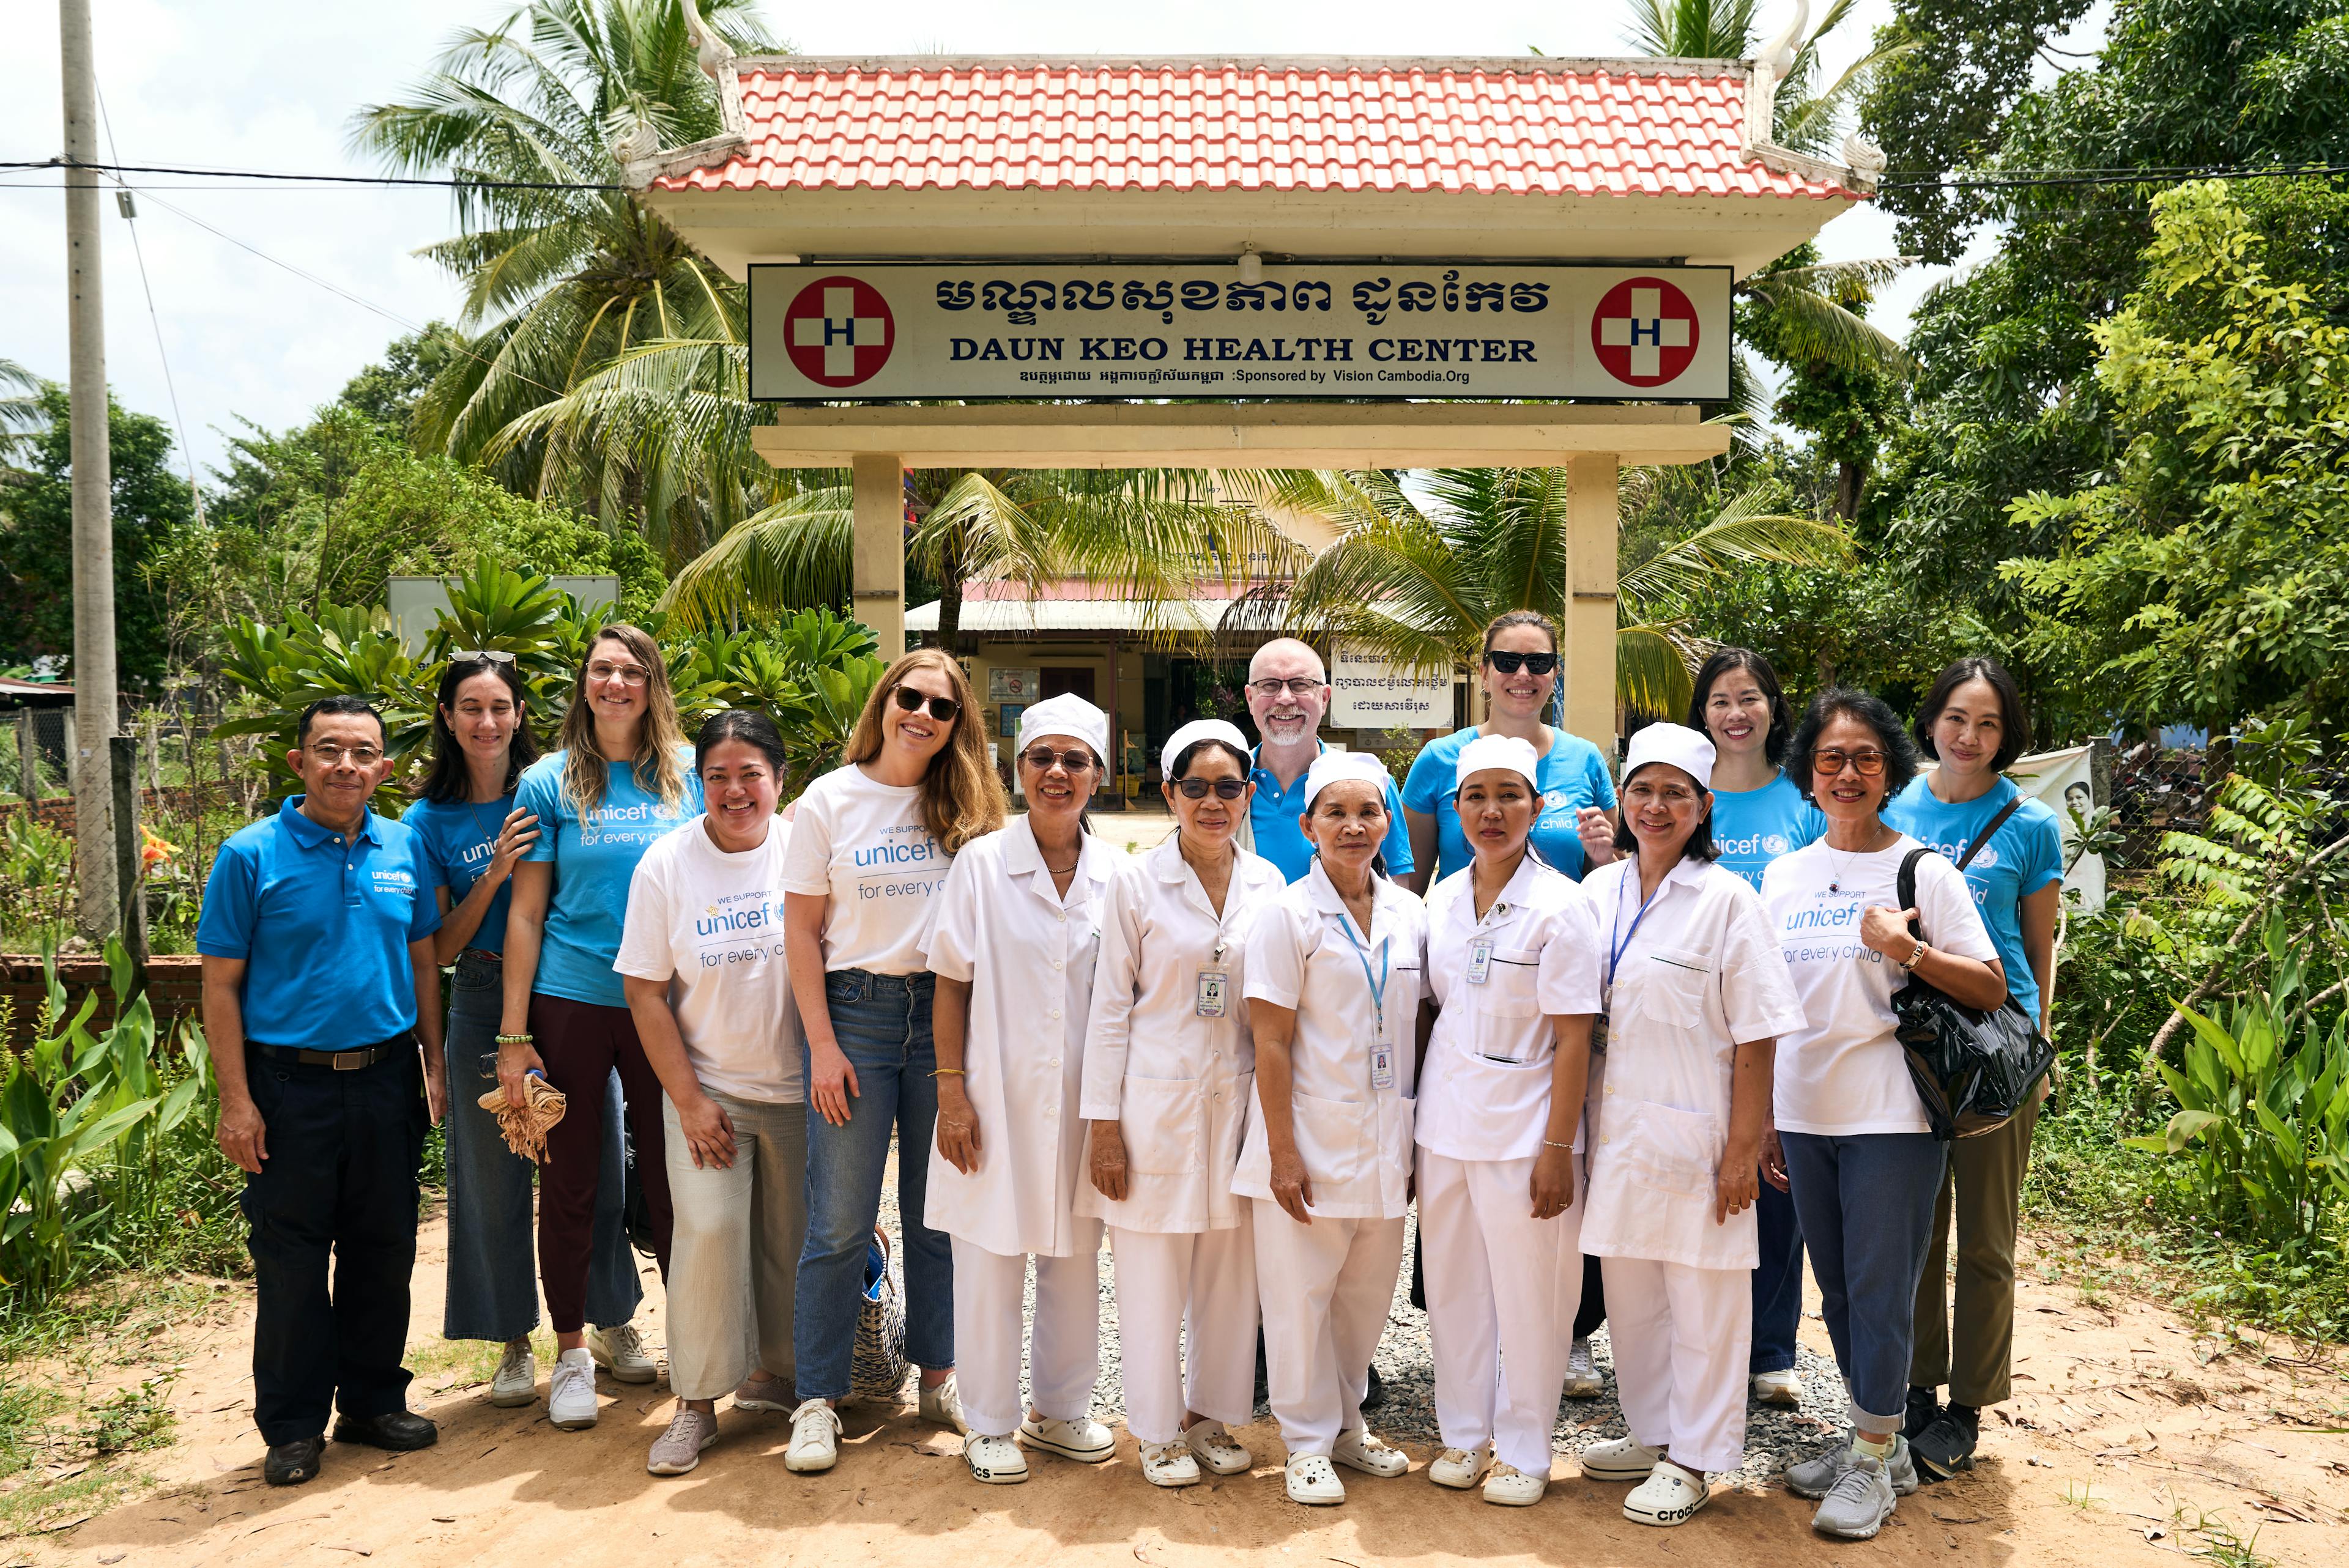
column 1973, row 723
column 623, row 778
column 1759, row 814
column 473, row 835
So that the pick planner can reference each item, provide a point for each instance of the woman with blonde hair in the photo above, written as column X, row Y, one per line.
column 871, row 843
column 621, row 778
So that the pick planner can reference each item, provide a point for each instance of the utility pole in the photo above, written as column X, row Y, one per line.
column 93, row 490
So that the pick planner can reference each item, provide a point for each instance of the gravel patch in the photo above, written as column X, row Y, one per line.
column 1775, row 1436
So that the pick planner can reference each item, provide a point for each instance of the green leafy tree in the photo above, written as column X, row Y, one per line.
column 151, row 505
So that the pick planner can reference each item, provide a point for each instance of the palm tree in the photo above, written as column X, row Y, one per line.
column 1415, row 581
column 20, row 406
column 559, row 281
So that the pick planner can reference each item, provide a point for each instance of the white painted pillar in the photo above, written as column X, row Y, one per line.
column 877, row 566
column 1589, row 626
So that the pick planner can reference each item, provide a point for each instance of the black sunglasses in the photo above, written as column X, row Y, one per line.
column 1509, row 663
column 1043, row 757
column 942, row 708
column 1224, row 788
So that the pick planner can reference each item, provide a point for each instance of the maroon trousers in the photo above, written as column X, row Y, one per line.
column 581, row 1044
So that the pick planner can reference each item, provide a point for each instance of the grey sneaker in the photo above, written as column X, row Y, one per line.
column 1859, row 1503
column 1815, row 1477
column 679, row 1449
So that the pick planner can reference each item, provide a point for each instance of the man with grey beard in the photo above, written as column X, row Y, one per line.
column 1287, row 693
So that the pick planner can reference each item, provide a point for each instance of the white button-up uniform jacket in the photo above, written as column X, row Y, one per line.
column 1703, row 972
column 1027, row 955
column 1178, row 1085
column 1355, row 1140
column 1486, row 1095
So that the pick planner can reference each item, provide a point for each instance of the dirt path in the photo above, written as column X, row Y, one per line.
column 2132, row 1440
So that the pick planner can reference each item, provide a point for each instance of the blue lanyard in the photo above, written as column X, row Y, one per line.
column 1378, row 987
column 1617, row 949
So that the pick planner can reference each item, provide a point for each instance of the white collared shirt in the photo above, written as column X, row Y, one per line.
column 1177, row 1084
column 1303, row 954
column 1489, row 1061
column 1698, row 974
column 1027, row 955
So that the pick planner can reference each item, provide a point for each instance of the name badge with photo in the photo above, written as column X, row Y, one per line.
column 1214, row 992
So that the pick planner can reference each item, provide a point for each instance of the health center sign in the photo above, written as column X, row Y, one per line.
column 1466, row 330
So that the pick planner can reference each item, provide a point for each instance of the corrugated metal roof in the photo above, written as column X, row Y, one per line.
column 1533, row 126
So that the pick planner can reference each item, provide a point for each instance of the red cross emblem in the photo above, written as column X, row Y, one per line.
column 839, row 331
column 1645, row 332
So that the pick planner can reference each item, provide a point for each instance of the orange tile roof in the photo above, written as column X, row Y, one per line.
column 1531, row 127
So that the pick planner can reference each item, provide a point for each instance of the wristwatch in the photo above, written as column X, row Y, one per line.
column 1916, row 956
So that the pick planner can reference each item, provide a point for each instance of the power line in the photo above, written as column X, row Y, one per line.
column 449, row 184
column 131, row 217
column 2128, row 177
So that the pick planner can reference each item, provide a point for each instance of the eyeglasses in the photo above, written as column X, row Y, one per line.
column 1295, row 685
column 476, row 656
column 1043, row 757
column 1224, row 788
column 942, row 708
column 1828, row 764
column 626, row 675
column 335, row 756
column 1509, row 663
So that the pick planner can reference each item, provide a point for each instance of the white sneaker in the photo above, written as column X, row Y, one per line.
column 1358, row 1449
column 943, row 1406
column 570, row 1391
column 1461, row 1469
column 816, row 1438
column 1213, row 1445
column 516, row 1382
column 1670, row 1495
column 1778, row 1387
column 994, row 1461
column 1582, row 1379
column 621, row 1352
column 1169, row 1464
column 1084, row 1439
column 1619, row 1459
column 1311, row 1482
column 1513, row 1487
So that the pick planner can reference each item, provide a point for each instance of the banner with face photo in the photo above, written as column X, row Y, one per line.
column 2065, row 781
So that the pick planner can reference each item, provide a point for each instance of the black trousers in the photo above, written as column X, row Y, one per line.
column 333, row 1217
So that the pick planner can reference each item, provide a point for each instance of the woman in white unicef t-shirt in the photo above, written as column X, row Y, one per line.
column 870, row 846
column 701, row 959
column 1862, row 1160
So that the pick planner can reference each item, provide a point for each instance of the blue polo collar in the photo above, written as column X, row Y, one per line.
column 1259, row 774
column 309, row 835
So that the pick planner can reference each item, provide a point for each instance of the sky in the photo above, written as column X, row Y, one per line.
column 273, row 84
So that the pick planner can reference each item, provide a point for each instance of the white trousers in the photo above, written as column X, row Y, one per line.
column 1682, row 1339
column 735, row 1261
column 1187, row 1321
column 1502, row 1291
column 1063, row 1347
column 1327, row 1288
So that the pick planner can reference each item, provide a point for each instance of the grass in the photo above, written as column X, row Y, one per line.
column 2219, row 1543
column 54, row 1450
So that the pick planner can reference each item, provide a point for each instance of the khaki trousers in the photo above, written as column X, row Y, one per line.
column 734, row 1267
column 1984, row 1189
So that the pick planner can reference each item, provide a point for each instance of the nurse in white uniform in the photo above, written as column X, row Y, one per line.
column 1513, row 959
column 1170, row 1068
column 1698, row 994
column 1013, row 944
column 1334, row 966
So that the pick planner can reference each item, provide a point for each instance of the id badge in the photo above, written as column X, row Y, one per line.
column 1214, row 987
column 1383, row 1066
column 1480, row 961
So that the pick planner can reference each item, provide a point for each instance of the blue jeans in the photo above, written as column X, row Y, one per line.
column 1866, row 1207
column 1777, row 1281
column 883, row 1024
column 492, row 1262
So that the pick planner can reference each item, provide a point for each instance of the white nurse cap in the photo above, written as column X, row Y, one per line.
column 1067, row 714
column 1677, row 744
column 1337, row 766
column 1506, row 751
column 1191, row 733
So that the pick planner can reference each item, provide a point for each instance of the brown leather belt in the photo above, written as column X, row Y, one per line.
column 341, row 1061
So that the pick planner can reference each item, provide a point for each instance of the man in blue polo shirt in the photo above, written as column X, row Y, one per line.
column 1287, row 693
column 322, row 1007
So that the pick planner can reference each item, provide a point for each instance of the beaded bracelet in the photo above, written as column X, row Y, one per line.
column 516, row 1040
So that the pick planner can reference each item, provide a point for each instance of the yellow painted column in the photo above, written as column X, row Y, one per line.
column 877, row 564
column 1590, row 665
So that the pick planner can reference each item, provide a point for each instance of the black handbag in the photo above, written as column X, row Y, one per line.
column 1973, row 1070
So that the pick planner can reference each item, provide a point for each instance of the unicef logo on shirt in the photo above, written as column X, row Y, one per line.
column 1557, row 800
column 1986, row 857
column 1774, row 843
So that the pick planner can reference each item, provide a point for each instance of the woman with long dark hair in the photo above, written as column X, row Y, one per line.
column 1759, row 814
column 622, row 778
column 473, row 835
column 871, row 844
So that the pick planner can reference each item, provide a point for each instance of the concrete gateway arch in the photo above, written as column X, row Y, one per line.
column 977, row 261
